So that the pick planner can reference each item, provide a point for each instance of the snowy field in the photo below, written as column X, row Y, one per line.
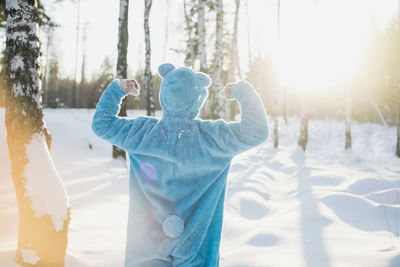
column 327, row 207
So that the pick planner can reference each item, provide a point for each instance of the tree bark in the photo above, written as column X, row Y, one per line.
column 201, row 31
column 122, row 64
column 214, row 106
column 234, row 72
column 150, row 107
column 42, row 234
column 190, row 49
column 74, row 89
column 303, row 137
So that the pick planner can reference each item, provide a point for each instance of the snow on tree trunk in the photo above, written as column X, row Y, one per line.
column 150, row 107
column 122, row 64
column 42, row 199
column 201, row 31
column 348, row 123
column 213, row 108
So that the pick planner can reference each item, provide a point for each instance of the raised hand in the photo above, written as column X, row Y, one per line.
column 130, row 86
column 227, row 90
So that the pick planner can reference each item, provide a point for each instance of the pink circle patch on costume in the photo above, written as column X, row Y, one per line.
column 148, row 172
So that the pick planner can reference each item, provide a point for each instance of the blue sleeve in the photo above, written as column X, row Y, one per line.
column 125, row 133
column 233, row 138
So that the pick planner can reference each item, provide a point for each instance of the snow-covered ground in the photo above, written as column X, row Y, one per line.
column 327, row 207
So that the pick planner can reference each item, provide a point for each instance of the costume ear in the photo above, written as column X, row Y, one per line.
column 165, row 68
column 204, row 79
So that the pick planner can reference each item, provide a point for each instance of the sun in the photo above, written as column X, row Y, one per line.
column 321, row 45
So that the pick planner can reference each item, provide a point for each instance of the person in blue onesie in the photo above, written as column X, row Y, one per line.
column 178, row 165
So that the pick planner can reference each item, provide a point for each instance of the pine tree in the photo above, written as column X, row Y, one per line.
column 43, row 212
column 150, row 107
column 122, row 64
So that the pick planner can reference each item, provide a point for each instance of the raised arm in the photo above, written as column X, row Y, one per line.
column 122, row 132
column 252, row 130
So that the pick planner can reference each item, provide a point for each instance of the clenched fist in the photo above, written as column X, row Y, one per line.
column 130, row 86
column 227, row 90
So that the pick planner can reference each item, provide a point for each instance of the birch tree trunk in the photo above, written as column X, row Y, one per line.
column 166, row 30
column 348, row 123
column 74, row 89
column 213, row 108
column 42, row 200
column 190, row 49
column 276, row 116
column 147, row 71
column 234, row 66
column 122, row 64
column 201, row 31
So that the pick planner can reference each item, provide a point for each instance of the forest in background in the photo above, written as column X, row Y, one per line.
column 373, row 86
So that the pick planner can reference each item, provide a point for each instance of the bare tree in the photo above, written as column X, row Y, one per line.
column 234, row 64
column 303, row 137
column 201, row 32
column 166, row 30
column 213, row 108
column 74, row 89
column 191, row 52
column 122, row 64
column 150, row 107
column 42, row 199
column 275, row 97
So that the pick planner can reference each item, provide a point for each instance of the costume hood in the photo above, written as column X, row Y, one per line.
column 182, row 91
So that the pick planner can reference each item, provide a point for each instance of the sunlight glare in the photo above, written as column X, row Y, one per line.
column 321, row 44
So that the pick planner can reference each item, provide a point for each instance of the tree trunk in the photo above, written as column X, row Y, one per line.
column 41, row 196
column 166, row 29
column 122, row 64
column 276, row 127
column 190, row 51
column 303, row 137
column 276, row 118
column 201, row 31
column 234, row 66
column 348, row 123
column 74, row 89
column 213, row 108
column 147, row 71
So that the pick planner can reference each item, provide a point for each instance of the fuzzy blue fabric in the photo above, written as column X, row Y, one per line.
column 178, row 167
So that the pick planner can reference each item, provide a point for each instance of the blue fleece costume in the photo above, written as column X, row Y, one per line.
column 178, row 167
